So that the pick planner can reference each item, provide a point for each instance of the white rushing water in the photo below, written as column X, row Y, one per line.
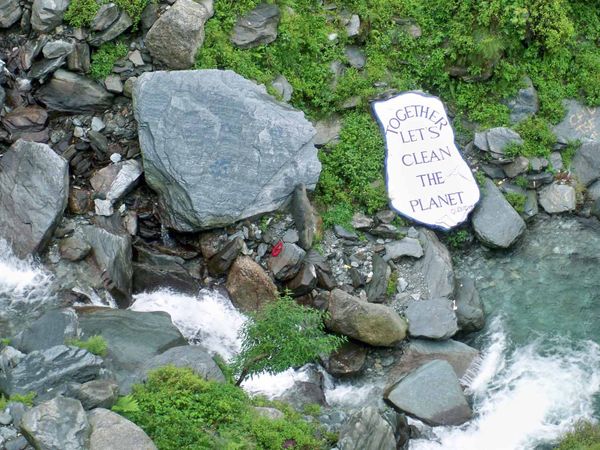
column 525, row 397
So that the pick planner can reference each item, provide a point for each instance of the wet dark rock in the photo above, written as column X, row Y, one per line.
column 31, row 175
column 110, row 430
column 41, row 69
column 28, row 123
column 132, row 337
column 58, row 424
column 10, row 13
column 249, row 286
column 370, row 323
column 366, row 429
column 377, row 287
column 348, row 360
column 258, row 27
column 47, row 14
column 469, row 307
column 176, row 36
column 495, row 221
column 436, row 266
column 117, row 28
column 287, row 264
column 74, row 248
column 306, row 219
column 586, row 163
column 433, row 319
column 220, row 263
column 201, row 188
column 105, row 17
column 51, row 329
column 432, row 394
column 69, row 92
column 304, row 282
column 95, row 393
column 42, row 371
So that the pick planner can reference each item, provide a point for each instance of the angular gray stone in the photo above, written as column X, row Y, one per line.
column 558, row 198
column 10, row 12
column 42, row 68
column 112, row 431
column 586, row 163
column 432, row 319
column 405, row 247
column 69, row 92
column 431, row 394
column 56, row 49
column 95, row 393
column 132, row 337
column 366, row 429
column 42, row 371
column 220, row 263
column 517, row 167
column 47, row 14
column 370, row 323
column 306, row 219
column 105, row 17
column 581, row 123
column 176, row 36
column 420, row 351
column 343, row 233
column 283, row 88
column 353, row 26
column 264, row 147
column 328, row 131
column 436, row 266
column 304, row 282
column 114, row 30
column 286, row 265
column 525, row 104
column 191, row 356
column 79, row 59
column 51, row 329
column 74, row 248
column 377, row 287
column 356, row 56
column 469, row 307
column 58, row 424
column 257, row 27
column 117, row 180
column 495, row 221
column 113, row 84
column 361, row 222
column 496, row 140
column 34, row 188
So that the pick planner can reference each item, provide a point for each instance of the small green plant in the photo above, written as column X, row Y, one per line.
column 522, row 182
column 126, row 404
column 5, row 341
column 538, row 137
column 517, row 201
column 569, row 152
column 26, row 399
column 392, row 285
column 585, row 436
column 81, row 13
column 457, row 239
column 105, row 58
column 339, row 214
column 283, row 334
column 95, row 344
column 514, row 149
column 480, row 178
column 312, row 409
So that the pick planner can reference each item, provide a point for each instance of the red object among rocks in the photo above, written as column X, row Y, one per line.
column 277, row 249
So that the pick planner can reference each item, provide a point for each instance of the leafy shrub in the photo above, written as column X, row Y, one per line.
column 126, row 404
column 105, row 58
column 95, row 345
column 569, row 152
column 181, row 411
column 538, row 137
column 457, row 239
column 339, row 214
column 585, row 436
column 517, row 201
column 392, row 284
column 26, row 399
column 81, row 13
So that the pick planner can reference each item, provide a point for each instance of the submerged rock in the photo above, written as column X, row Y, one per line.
column 34, row 188
column 367, row 430
column 495, row 221
column 432, row 394
column 233, row 151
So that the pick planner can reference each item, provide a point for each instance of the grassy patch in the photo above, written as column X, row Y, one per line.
column 105, row 58
column 517, row 201
column 457, row 239
column 182, row 411
column 569, row 152
column 95, row 345
column 81, row 13
column 392, row 285
column 338, row 214
column 585, row 436
column 26, row 399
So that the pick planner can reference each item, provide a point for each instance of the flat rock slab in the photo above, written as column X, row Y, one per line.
column 495, row 221
column 581, row 123
column 432, row 394
column 586, row 163
column 367, row 430
column 558, row 198
column 405, row 247
column 257, row 27
column 218, row 149
column 34, row 188
column 436, row 266
column 133, row 338
column 112, row 431
column 433, row 319
column 51, row 329
column 69, row 92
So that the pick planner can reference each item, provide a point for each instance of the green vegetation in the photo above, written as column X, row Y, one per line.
column 473, row 54
column 283, row 334
column 569, row 152
column 105, row 58
column 95, row 344
column 586, row 436
column 126, row 404
column 5, row 341
column 81, row 13
column 480, row 178
column 517, row 201
column 338, row 214
column 457, row 239
column 181, row 411
column 26, row 399
column 522, row 182
column 392, row 285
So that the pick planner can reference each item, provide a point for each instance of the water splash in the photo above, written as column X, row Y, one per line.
column 527, row 398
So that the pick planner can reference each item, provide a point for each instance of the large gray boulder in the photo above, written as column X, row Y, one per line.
column 367, row 430
column 69, row 92
column 47, row 14
column 34, row 188
column 495, row 221
column 42, row 371
column 431, row 394
column 581, row 123
column 436, row 266
column 58, row 424
column 217, row 148
column 176, row 36
column 10, row 12
column 558, row 198
column 52, row 328
column 133, row 338
column 586, row 163
column 371, row 323
column 115, row 432
column 433, row 319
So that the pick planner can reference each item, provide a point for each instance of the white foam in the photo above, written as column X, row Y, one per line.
column 272, row 386
column 20, row 278
column 208, row 319
column 533, row 396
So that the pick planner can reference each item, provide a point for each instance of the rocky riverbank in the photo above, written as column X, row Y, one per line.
column 143, row 179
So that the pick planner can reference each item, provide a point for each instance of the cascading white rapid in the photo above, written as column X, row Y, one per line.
column 523, row 398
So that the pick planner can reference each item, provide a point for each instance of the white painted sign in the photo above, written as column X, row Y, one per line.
column 427, row 178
